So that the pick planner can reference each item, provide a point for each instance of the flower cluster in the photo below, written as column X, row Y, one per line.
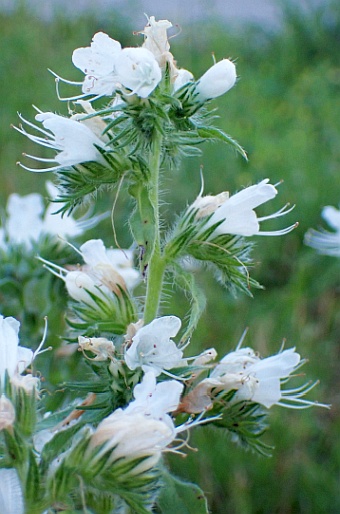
column 103, row 450
column 127, row 75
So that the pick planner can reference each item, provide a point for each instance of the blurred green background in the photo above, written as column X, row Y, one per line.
column 285, row 111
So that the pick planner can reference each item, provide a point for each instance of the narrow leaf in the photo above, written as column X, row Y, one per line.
column 179, row 497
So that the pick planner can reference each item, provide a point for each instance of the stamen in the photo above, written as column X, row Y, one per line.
column 279, row 232
column 36, row 127
column 72, row 83
column 38, row 350
column 42, row 170
column 243, row 336
column 41, row 159
column 50, row 265
column 281, row 212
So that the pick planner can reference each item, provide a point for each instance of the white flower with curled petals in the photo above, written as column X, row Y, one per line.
column 156, row 40
column 324, row 241
column 105, row 274
column 152, row 348
column 73, row 140
column 130, row 437
column 82, row 288
column 253, row 379
column 236, row 213
column 260, row 380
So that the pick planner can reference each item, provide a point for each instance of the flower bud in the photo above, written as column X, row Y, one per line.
column 7, row 413
column 132, row 436
column 182, row 77
column 102, row 348
column 217, row 80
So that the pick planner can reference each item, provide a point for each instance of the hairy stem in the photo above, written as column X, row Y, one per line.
column 156, row 266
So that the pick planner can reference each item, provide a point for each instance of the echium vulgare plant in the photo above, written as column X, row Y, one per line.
column 135, row 113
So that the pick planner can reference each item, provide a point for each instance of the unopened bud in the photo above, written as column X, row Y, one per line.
column 217, row 80
column 7, row 413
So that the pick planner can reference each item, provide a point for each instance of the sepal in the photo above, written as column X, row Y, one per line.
column 109, row 314
column 78, row 183
column 245, row 421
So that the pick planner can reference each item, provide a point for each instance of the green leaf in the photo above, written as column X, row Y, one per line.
column 142, row 223
column 59, row 443
column 214, row 133
column 33, row 486
column 179, row 497
column 187, row 282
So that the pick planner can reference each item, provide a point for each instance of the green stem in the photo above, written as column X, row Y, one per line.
column 156, row 266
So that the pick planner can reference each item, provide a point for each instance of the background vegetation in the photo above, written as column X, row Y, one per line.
column 285, row 111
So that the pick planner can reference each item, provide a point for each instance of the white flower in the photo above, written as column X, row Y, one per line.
column 24, row 219
column 325, row 242
column 237, row 212
column 107, row 68
column 144, row 428
column 152, row 348
column 138, row 71
column 217, row 80
column 156, row 38
column 27, row 220
column 72, row 139
column 7, row 413
column 11, row 497
column 132, row 436
column 259, row 380
column 156, row 41
column 13, row 358
column 105, row 272
column 156, row 400
column 98, row 64
column 110, row 266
